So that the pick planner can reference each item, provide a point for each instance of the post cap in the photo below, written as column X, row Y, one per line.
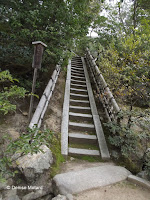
column 39, row 42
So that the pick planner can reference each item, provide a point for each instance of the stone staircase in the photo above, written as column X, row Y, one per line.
column 82, row 133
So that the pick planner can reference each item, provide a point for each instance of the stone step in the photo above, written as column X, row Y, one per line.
column 89, row 128
column 76, row 182
column 78, row 69
column 80, row 109
column 80, row 116
column 77, row 65
column 79, row 102
column 82, row 138
column 78, row 86
column 78, row 81
column 78, row 77
column 83, row 152
column 77, row 74
column 78, row 96
column 78, row 91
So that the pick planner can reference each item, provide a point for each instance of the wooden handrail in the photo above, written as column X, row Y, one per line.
column 110, row 105
column 44, row 101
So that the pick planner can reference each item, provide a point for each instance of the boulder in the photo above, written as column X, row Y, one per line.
column 45, row 190
column 14, row 197
column 3, row 185
column 32, row 166
column 59, row 197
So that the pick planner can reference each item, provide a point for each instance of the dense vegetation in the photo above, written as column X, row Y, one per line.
column 122, row 49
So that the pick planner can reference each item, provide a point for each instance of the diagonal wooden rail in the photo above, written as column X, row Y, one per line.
column 109, row 103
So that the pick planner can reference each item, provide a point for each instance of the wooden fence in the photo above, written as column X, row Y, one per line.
column 109, row 103
column 44, row 101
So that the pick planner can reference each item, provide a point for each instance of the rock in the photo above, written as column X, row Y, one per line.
column 16, row 156
column 115, row 154
column 25, row 113
column 34, row 165
column 47, row 189
column 69, row 197
column 78, row 181
column 14, row 197
column 59, row 197
column 143, row 175
column 72, row 158
column 10, row 194
column 48, row 197
column 13, row 133
column 3, row 185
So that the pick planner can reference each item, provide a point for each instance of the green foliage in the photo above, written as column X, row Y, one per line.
column 9, row 94
column 6, row 76
column 131, row 136
column 29, row 142
column 58, row 157
column 55, row 22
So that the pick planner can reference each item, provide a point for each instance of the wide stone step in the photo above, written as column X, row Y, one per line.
column 78, row 96
column 74, row 102
column 75, row 182
column 82, row 152
column 80, row 109
column 78, row 81
column 74, row 126
column 79, row 91
column 78, row 78
column 82, row 138
column 80, row 116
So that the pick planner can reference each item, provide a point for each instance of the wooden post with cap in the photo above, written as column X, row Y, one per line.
column 36, row 64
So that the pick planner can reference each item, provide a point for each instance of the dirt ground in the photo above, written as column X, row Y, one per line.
column 53, row 115
column 121, row 191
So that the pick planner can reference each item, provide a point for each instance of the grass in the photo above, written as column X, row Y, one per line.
column 58, row 158
column 90, row 158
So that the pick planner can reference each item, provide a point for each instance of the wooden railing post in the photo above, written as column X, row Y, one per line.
column 37, row 59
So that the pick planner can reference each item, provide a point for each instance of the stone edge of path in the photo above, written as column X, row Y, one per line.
column 69, row 182
column 139, row 181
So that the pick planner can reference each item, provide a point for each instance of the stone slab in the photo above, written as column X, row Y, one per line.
column 139, row 181
column 90, row 178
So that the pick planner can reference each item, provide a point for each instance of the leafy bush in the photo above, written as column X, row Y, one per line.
column 10, row 93
column 132, row 137
column 29, row 142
